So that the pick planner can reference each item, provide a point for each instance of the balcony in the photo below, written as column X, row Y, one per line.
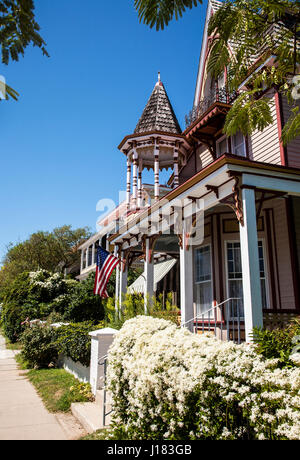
column 217, row 97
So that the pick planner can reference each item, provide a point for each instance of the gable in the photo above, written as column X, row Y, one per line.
column 212, row 6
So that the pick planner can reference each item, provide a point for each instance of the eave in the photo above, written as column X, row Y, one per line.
column 141, row 136
column 237, row 165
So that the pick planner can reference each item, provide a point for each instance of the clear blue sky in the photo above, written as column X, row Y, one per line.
column 59, row 143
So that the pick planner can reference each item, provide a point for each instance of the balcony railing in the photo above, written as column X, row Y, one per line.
column 216, row 95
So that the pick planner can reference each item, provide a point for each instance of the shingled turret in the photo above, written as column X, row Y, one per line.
column 157, row 143
column 158, row 114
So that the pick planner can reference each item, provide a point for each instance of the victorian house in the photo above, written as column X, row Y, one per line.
column 224, row 235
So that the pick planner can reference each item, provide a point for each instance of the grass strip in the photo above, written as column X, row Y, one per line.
column 58, row 389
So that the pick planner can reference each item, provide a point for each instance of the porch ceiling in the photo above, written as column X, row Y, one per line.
column 211, row 185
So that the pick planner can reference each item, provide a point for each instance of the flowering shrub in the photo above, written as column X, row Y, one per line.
column 37, row 295
column 167, row 383
column 83, row 390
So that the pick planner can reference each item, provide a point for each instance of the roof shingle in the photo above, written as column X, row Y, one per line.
column 158, row 114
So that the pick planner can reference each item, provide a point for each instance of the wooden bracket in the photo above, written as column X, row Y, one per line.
column 213, row 188
column 234, row 201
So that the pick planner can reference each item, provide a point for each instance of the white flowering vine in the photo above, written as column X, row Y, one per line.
column 167, row 383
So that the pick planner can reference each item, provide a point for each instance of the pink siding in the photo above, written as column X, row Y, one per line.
column 188, row 170
column 264, row 146
column 293, row 148
column 283, row 254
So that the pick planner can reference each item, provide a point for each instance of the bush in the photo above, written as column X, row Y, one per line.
column 11, row 322
column 133, row 305
column 74, row 341
column 82, row 305
column 278, row 343
column 38, row 295
column 39, row 346
column 30, row 297
column 167, row 383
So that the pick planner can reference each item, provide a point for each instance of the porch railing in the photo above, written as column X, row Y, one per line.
column 225, row 321
column 215, row 95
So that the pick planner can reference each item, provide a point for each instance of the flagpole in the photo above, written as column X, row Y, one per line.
column 106, row 263
column 122, row 261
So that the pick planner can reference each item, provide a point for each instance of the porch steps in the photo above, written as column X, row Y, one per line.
column 90, row 414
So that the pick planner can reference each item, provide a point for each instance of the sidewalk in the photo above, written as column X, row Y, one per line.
column 22, row 412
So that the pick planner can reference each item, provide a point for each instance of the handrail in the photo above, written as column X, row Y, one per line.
column 103, row 362
column 104, row 358
column 211, row 309
column 209, row 320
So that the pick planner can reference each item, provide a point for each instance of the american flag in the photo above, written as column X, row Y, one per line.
column 106, row 263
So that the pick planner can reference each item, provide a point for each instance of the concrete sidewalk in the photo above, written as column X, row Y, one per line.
column 22, row 412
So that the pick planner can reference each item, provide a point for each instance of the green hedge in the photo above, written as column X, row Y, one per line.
column 39, row 346
column 74, row 341
column 42, row 344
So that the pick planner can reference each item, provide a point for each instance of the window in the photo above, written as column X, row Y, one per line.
column 235, row 277
column 203, row 279
column 90, row 256
column 221, row 81
column 263, row 280
column 222, row 146
column 239, row 144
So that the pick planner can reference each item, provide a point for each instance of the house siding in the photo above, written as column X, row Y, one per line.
column 204, row 157
column 189, row 170
column 264, row 145
column 284, row 298
column 285, row 276
column 293, row 148
column 296, row 214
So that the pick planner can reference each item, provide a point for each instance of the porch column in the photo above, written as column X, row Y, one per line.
column 250, row 265
column 128, row 191
column 149, row 277
column 87, row 258
column 186, row 283
column 123, row 279
column 81, row 261
column 135, row 178
column 140, row 184
column 93, row 254
column 117, row 306
column 176, row 168
column 156, row 173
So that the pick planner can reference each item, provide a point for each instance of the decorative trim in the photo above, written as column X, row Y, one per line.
column 280, row 124
column 234, row 201
column 213, row 188
column 152, row 241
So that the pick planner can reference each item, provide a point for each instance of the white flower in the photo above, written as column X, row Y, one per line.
column 156, row 369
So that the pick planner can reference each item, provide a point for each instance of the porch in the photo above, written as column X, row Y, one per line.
column 234, row 229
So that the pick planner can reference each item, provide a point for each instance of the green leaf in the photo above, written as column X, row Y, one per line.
column 291, row 129
column 160, row 12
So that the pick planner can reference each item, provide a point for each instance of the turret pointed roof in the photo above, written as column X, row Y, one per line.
column 158, row 114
